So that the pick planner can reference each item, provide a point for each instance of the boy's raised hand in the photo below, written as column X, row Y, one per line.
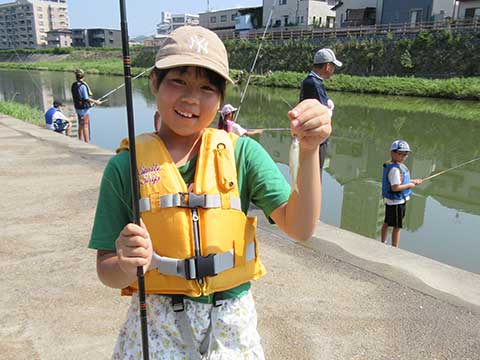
column 311, row 122
column 134, row 248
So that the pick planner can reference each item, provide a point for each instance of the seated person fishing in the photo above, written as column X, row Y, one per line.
column 55, row 120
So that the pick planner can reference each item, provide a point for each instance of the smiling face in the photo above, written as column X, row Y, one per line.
column 187, row 101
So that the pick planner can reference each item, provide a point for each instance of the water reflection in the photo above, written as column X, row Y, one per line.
column 444, row 213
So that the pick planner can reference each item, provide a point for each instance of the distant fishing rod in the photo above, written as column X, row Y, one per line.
column 123, row 84
column 254, row 62
column 276, row 129
column 133, row 171
column 453, row 168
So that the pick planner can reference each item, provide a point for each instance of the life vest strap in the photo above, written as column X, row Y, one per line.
column 198, row 267
column 189, row 200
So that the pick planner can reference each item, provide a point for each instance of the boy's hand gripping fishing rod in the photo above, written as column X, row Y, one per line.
column 133, row 170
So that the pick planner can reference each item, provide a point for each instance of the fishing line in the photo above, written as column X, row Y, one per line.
column 25, row 67
column 450, row 169
column 275, row 129
column 123, row 84
column 242, row 97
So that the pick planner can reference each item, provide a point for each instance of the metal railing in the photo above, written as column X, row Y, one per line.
column 401, row 29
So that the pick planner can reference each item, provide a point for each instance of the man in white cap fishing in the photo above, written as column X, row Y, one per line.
column 396, row 189
column 324, row 63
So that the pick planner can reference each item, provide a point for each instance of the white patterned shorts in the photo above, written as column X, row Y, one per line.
column 234, row 333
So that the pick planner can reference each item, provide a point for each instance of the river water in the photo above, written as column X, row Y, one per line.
column 443, row 216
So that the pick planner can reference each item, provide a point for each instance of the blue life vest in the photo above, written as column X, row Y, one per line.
column 49, row 116
column 387, row 191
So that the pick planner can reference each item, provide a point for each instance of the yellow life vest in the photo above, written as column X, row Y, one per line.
column 202, row 241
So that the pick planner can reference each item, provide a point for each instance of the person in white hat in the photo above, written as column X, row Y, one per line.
column 396, row 190
column 196, row 244
column 324, row 63
column 227, row 122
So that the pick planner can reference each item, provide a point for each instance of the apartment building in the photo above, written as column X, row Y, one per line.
column 25, row 23
column 304, row 13
column 97, row 37
column 59, row 38
column 415, row 11
column 170, row 22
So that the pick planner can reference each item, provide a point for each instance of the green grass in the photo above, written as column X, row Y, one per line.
column 105, row 67
column 22, row 112
column 453, row 88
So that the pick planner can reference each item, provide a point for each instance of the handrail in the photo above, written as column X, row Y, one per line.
column 361, row 30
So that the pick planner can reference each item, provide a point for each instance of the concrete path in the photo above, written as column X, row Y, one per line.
column 340, row 296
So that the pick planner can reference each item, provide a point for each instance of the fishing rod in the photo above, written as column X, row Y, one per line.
column 133, row 171
column 254, row 62
column 450, row 169
column 275, row 129
column 123, row 84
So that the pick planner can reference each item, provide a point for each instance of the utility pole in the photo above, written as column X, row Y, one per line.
column 208, row 5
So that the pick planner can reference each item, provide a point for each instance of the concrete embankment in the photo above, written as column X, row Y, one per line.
column 338, row 296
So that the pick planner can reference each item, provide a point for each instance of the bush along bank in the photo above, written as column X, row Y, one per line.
column 454, row 88
column 22, row 112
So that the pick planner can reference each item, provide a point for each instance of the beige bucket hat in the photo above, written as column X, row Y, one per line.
column 194, row 46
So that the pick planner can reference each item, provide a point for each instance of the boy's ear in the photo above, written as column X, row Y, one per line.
column 153, row 83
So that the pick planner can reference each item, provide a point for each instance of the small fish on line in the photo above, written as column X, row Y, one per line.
column 294, row 161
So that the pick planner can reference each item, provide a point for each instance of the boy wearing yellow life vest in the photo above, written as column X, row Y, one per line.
column 196, row 243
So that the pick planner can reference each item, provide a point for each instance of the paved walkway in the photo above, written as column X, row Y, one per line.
column 341, row 296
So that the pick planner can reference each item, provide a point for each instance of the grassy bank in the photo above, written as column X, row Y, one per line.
column 454, row 88
column 22, row 112
column 104, row 67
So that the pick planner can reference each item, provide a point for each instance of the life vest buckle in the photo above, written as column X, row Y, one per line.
column 191, row 200
column 177, row 303
column 198, row 267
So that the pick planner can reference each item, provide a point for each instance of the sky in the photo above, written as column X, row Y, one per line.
column 142, row 15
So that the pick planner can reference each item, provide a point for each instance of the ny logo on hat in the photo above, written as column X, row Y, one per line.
column 199, row 43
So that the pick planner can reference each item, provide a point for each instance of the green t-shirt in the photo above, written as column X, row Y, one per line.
column 259, row 180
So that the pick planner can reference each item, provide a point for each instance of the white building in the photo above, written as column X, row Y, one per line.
column 240, row 18
column 170, row 22
column 299, row 12
column 25, row 23
column 59, row 38
column 356, row 12
column 467, row 9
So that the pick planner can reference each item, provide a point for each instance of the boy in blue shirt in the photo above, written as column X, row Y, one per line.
column 396, row 189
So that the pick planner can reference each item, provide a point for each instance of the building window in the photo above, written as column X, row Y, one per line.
column 282, row 2
column 301, row 19
column 234, row 16
column 472, row 12
column 213, row 19
column 223, row 18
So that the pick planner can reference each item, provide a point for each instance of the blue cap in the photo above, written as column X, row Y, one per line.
column 400, row 145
